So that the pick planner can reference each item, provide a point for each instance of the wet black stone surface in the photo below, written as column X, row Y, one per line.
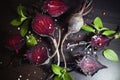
column 31, row 72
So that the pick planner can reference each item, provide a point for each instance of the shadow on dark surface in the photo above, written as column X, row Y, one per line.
column 30, row 72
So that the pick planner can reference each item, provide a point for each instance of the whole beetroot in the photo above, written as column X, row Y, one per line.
column 14, row 42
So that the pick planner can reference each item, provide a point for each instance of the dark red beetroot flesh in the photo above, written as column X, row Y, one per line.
column 89, row 65
column 37, row 54
column 43, row 24
column 55, row 7
column 100, row 41
column 14, row 42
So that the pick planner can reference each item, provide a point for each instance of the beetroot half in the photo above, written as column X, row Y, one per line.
column 89, row 65
column 55, row 7
column 37, row 54
column 43, row 24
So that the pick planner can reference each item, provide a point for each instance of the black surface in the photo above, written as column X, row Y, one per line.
column 111, row 20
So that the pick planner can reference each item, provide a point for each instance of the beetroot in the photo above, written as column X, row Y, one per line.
column 43, row 24
column 37, row 54
column 14, row 42
column 55, row 7
column 89, row 65
column 100, row 41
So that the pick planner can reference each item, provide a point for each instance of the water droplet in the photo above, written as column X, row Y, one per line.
column 49, row 5
column 49, row 49
column 44, row 73
column 68, row 44
column 50, row 27
column 88, row 52
column 18, row 28
column 34, row 72
column 18, row 79
column 94, row 52
column 90, row 49
column 28, row 74
column 55, row 20
column 104, row 13
column 29, row 32
column 63, row 29
column 79, row 35
column 71, row 49
column 20, row 76
column 38, row 57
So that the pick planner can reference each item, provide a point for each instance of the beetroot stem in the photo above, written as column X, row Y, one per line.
column 56, row 45
column 63, row 40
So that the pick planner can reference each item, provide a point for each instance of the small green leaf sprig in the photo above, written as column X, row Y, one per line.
column 60, row 73
column 98, row 28
column 23, row 22
column 21, row 10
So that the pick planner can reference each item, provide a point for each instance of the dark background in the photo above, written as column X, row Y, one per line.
column 31, row 72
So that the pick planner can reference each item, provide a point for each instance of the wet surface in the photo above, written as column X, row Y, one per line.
column 108, row 10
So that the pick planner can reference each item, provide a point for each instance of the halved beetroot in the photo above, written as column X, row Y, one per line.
column 55, row 7
column 37, row 54
column 43, row 24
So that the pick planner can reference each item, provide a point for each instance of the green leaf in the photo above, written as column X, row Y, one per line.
column 24, row 28
column 88, row 28
column 21, row 10
column 109, row 32
column 57, row 78
column 117, row 36
column 110, row 55
column 98, row 23
column 16, row 22
column 57, row 69
column 67, row 76
column 31, row 40
column 104, row 28
column 23, row 19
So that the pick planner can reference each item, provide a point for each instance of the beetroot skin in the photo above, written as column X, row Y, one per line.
column 37, row 54
column 43, row 24
column 14, row 42
column 55, row 7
